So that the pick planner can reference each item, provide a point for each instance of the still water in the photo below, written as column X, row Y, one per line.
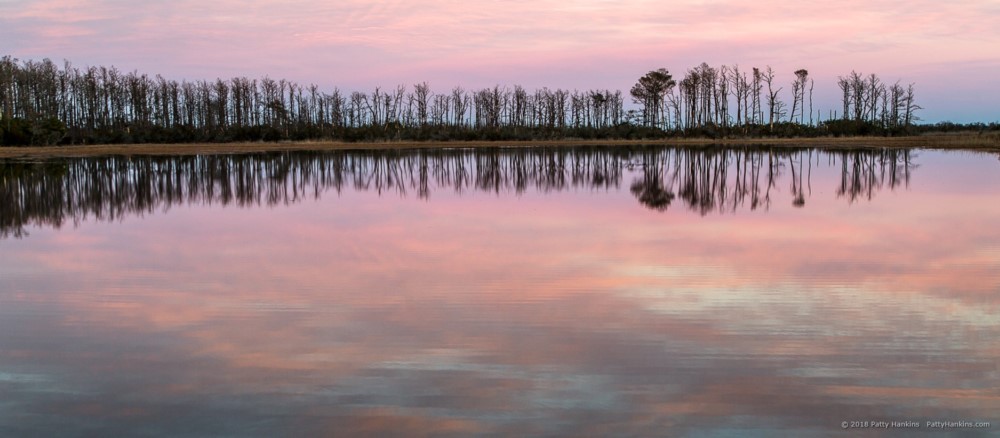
column 510, row 292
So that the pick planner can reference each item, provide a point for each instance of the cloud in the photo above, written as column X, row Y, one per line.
column 588, row 44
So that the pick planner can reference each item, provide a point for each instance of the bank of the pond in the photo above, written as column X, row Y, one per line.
column 961, row 142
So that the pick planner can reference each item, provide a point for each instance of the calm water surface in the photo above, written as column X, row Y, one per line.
column 568, row 292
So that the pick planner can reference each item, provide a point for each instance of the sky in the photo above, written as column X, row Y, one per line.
column 949, row 50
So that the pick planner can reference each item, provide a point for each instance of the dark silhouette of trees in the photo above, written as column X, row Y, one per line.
column 44, row 104
column 774, row 105
column 869, row 107
column 651, row 91
column 798, row 93
column 757, row 113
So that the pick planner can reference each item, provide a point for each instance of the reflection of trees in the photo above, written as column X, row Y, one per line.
column 798, row 191
column 720, row 180
column 863, row 172
column 706, row 180
column 651, row 192
column 110, row 188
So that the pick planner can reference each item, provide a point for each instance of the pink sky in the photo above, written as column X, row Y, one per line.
column 949, row 49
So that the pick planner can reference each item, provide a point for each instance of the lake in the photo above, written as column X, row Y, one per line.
column 616, row 291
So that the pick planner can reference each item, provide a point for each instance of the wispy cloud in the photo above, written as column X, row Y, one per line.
column 592, row 43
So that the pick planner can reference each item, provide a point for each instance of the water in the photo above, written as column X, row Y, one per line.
column 564, row 292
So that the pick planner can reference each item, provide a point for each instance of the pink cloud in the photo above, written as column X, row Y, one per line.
column 590, row 44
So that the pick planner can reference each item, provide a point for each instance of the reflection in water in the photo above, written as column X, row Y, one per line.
column 863, row 173
column 707, row 180
column 566, row 310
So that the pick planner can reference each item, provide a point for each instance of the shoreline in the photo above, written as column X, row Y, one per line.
column 968, row 142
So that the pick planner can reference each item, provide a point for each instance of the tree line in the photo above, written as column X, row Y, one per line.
column 43, row 103
column 727, row 100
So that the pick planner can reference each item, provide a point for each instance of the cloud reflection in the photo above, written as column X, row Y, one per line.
column 546, row 313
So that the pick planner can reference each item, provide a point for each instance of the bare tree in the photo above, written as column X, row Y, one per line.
column 421, row 93
column 774, row 105
column 798, row 94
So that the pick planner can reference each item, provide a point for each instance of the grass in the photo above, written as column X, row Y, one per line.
column 960, row 141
